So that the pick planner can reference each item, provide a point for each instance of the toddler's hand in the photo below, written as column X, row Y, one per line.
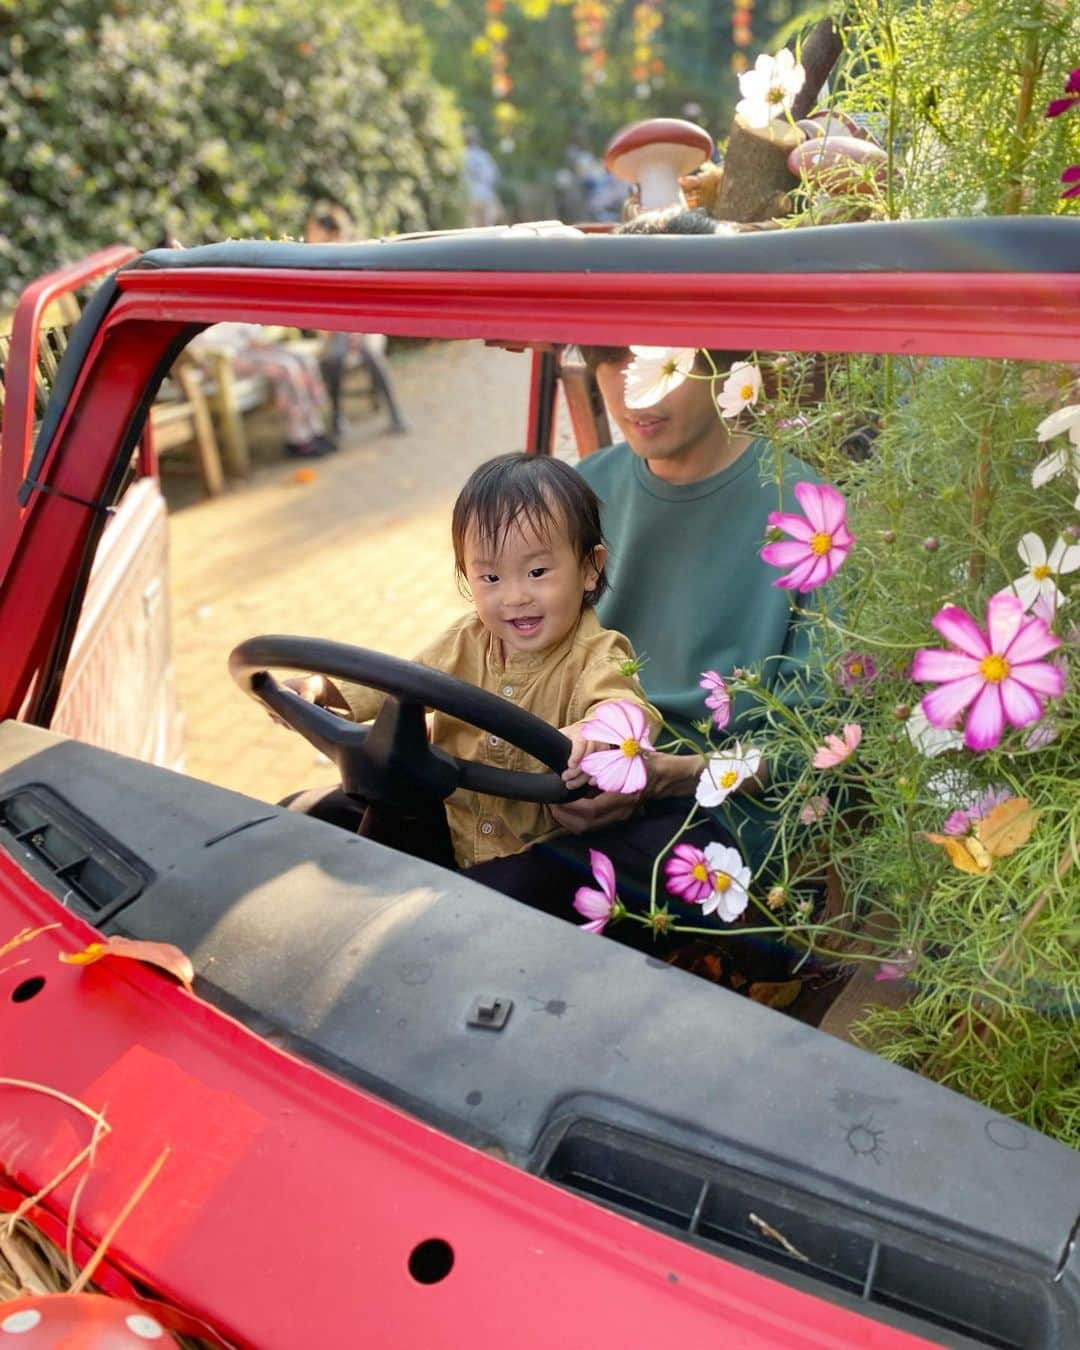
column 572, row 776
column 309, row 687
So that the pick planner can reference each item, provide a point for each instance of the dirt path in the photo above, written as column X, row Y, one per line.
column 361, row 554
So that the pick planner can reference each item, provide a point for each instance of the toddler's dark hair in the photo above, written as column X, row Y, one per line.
column 544, row 492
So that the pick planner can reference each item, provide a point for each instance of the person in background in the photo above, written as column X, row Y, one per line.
column 297, row 382
column 481, row 182
column 299, row 392
column 329, row 223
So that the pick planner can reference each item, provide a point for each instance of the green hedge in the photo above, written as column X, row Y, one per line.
column 214, row 119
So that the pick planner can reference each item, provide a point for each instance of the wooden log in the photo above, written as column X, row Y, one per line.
column 757, row 181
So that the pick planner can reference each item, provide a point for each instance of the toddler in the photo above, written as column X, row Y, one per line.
column 528, row 547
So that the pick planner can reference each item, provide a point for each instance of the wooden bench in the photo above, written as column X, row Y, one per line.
column 231, row 396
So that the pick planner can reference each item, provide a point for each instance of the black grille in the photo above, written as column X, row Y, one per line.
column 85, row 869
column 883, row 1266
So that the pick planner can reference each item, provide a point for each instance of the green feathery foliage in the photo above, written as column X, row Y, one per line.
column 212, row 119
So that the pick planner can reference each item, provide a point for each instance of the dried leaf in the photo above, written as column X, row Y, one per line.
column 966, row 852
column 999, row 833
column 1002, row 830
column 775, row 993
column 161, row 954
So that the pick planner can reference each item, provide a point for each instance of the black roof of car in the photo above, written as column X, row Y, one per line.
column 1015, row 244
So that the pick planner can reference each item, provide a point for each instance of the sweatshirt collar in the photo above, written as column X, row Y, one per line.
column 704, row 487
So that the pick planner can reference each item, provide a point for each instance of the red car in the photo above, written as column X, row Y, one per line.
column 397, row 1109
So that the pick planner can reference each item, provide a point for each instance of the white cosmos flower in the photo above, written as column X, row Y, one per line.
column 1039, row 582
column 741, row 389
column 655, row 372
column 769, row 90
column 1065, row 419
column 928, row 739
column 730, row 879
column 723, row 774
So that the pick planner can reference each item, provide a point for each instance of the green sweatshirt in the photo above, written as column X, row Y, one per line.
column 689, row 590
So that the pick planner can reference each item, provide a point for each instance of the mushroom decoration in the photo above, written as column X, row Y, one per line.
column 841, row 164
column 654, row 153
column 93, row 1321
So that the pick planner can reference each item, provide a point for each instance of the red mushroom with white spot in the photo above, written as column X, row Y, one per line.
column 654, row 153
column 93, row 1321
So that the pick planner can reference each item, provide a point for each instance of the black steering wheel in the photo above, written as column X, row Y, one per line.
column 391, row 761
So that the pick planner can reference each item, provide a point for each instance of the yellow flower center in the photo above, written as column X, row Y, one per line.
column 729, row 779
column 630, row 748
column 820, row 543
column 994, row 668
column 747, row 391
column 670, row 366
column 721, row 881
column 699, row 872
column 1041, row 572
column 855, row 668
column 775, row 94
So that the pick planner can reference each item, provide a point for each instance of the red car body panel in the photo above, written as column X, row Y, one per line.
column 279, row 1177
column 119, row 689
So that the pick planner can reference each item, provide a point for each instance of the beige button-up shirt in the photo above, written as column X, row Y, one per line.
column 562, row 685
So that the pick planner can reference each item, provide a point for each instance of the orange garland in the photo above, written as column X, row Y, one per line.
column 741, row 33
column 494, row 44
column 590, row 20
column 648, row 67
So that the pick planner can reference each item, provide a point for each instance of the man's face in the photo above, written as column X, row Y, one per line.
column 681, row 423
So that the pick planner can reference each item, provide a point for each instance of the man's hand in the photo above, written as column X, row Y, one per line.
column 672, row 775
column 592, row 813
column 668, row 776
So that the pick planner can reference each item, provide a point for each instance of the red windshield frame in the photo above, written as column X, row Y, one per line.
column 43, row 548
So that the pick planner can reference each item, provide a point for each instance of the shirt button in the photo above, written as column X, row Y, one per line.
column 486, row 827
column 508, row 690
column 493, row 740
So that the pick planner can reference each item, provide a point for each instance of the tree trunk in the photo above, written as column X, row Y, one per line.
column 757, row 179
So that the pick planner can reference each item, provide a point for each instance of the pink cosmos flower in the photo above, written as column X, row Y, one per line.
column 856, row 669
column 814, row 810
column 718, row 700
column 623, row 725
column 997, row 675
column 820, row 541
column 687, row 874
column 597, row 906
column 837, row 749
column 1072, row 96
column 897, row 970
column 1045, row 608
column 1071, row 175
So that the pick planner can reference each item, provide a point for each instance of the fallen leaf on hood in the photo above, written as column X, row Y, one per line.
column 995, row 835
column 775, row 993
column 161, row 954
